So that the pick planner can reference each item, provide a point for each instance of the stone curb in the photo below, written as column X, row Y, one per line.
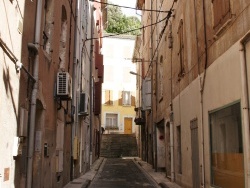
column 84, row 180
column 159, row 177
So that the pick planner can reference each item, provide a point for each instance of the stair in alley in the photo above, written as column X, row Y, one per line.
column 118, row 145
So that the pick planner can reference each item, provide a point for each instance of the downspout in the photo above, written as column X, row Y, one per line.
column 201, row 90
column 171, row 107
column 35, row 48
column 90, row 84
column 74, row 100
column 152, row 95
column 245, row 107
column 202, row 85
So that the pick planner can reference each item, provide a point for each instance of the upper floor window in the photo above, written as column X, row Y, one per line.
column 48, row 26
column 222, row 12
column 126, row 98
column 181, row 48
column 160, row 79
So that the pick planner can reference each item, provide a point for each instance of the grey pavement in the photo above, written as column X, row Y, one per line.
column 156, row 179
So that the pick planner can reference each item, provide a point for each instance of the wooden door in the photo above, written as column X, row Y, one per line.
column 127, row 125
column 195, row 153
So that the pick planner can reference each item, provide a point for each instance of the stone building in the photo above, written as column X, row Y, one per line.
column 194, row 55
column 52, row 72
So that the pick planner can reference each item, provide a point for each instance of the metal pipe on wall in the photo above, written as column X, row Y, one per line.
column 74, row 97
column 154, row 157
column 245, row 108
column 35, row 47
column 171, row 107
column 91, row 84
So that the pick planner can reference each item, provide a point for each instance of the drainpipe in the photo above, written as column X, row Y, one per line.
column 74, row 91
column 152, row 96
column 202, row 85
column 170, row 37
column 245, row 106
column 91, row 84
column 35, row 48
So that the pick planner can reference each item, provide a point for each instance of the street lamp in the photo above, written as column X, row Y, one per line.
column 134, row 73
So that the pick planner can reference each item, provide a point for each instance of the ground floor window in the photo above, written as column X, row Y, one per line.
column 111, row 121
column 227, row 168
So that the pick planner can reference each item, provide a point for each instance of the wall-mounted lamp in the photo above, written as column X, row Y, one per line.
column 134, row 73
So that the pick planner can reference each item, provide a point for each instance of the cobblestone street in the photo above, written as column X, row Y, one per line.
column 121, row 173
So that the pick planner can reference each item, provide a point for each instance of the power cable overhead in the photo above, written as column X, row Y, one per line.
column 129, row 7
column 112, row 35
column 161, row 34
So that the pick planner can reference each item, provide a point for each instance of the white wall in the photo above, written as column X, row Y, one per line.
column 9, row 85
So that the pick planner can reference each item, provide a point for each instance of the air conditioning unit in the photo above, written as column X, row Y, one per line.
column 64, row 86
column 83, row 105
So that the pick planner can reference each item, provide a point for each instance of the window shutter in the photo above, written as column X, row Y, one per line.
column 132, row 100
column 106, row 96
column 146, row 94
column 120, row 98
column 111, row 97
column 221, row 10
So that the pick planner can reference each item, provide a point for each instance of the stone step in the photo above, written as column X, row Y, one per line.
column 117, row 145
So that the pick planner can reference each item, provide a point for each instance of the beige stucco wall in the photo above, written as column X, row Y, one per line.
column 11, row 15
column 222, row 87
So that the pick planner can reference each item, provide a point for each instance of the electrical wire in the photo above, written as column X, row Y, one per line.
column 167, row 19
column 112, row 35
column 129, row 7
column 156, row 20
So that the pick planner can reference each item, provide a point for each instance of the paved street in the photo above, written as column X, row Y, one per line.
column 122, row 173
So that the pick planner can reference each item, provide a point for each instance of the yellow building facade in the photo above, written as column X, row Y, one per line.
column 119, row 86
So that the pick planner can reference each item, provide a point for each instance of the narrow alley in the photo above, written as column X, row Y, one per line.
column 125, row 93
column 118, row 172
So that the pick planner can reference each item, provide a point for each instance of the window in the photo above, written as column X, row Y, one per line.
column 222, row 12
column 111, row 121
column 126, row 98
column 181, row 49
column 179, row 155
column 227, row 168
column 63, row 38
column 108, row 97
column 160, row 80
column 48, row 26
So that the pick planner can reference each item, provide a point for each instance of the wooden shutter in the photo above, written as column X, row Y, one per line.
column 146, row 94
column 221, row 10
column 108, row 97
column 120, row 98
column 132, row 100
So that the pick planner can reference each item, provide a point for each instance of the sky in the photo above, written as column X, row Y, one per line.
column 127, row 3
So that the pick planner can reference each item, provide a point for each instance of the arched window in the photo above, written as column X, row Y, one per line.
column 48, row 26
column 63, row 39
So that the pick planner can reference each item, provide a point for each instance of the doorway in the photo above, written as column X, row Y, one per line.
column 127, row 125
column 195, row 153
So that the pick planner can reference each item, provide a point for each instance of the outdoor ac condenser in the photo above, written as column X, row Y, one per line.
column 83, row 105
column 64, row 86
